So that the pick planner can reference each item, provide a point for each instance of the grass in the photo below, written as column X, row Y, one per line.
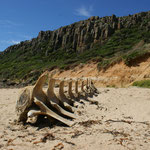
column 143, row 83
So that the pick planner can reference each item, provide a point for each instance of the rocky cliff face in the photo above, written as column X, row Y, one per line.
column 82, row 35
column 104, row 39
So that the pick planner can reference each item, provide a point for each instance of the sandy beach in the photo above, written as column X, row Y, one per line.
column 116, row 119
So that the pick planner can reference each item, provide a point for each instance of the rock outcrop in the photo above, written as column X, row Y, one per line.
column 103, row 39
column 82, row 35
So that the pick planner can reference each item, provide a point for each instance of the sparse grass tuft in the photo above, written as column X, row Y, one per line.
column 143, row 83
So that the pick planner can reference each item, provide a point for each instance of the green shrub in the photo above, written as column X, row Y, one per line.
column 143, row 83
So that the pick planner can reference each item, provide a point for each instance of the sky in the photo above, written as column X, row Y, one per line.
column 22, row 20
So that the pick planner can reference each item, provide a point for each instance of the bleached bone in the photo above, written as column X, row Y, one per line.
column 90, row 88
column 70, row 94
column 50, row 92
column 26, row 102
column 66, row 102
column 62, row 95
column 87, row 89
column 38, row 89
column 23, row 103
column 54, row 101
column 82, row 89
column 33, row 112
column 27, row 95
column 44, row 110
column 76, row 94
column 32, row 118
column 33, row 98
column 94, row 88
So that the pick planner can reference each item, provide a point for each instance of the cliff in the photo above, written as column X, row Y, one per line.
column 104, row 37
column 82, row 35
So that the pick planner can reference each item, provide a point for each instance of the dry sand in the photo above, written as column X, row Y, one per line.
column 119, row 74
column 118, row 119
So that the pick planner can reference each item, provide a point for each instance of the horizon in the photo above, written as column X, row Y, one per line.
column 20, row 21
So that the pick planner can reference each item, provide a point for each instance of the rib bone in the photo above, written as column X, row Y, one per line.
column 93, row 88
column 82, row 88
column 54, row 101
column 70, row 94
column 50, row 92
column 63, row 98
column 87, row 90
column 44, row 110
column 37, row 89
column 76, row 94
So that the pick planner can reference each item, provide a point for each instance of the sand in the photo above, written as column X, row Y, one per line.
column 117, row 119
column 117, row 74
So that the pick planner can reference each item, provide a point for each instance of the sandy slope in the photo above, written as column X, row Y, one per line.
column 119, row 74
column 119, row 121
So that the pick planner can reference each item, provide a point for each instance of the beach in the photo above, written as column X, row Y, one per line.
column 116, row 119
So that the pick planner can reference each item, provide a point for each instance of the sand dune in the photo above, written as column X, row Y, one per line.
column 117, row 119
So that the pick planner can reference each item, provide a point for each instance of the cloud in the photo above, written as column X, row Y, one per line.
column 14, row 42
column 9, row 42
column 6, row 43
column 83, row 11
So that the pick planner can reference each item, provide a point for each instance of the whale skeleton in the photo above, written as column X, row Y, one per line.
column 33, row 101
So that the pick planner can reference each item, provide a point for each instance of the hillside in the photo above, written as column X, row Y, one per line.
column 105, row 41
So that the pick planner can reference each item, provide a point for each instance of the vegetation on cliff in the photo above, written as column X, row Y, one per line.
column 105, row 40
column 143, row 83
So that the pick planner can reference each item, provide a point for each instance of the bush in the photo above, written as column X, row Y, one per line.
column 143, row 83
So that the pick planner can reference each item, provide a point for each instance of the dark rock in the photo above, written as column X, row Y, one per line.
column 120, row 26
column 80, row 35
